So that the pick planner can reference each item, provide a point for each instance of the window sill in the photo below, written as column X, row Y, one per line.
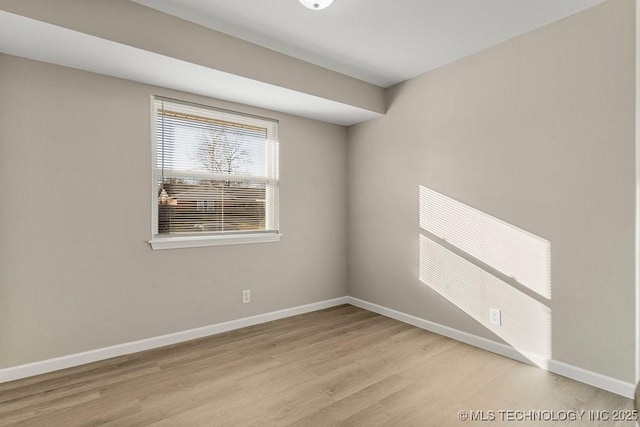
column 158, row 243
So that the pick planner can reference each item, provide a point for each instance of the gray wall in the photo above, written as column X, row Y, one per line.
column 76, row 272
column 538, row 132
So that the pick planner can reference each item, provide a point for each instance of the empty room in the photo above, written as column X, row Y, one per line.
column 319, row 212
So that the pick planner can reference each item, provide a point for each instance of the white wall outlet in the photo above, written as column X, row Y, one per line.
column 495, row 316
column 246, row 296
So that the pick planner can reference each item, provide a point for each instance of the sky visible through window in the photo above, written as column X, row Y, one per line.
column 184, row 140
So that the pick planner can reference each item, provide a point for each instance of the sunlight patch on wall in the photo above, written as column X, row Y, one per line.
column 512, row 251
column 526, row 322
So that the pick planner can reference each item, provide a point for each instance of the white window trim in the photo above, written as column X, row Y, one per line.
column 158, row 242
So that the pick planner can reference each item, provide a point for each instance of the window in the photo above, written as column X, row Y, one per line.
column 215, row 176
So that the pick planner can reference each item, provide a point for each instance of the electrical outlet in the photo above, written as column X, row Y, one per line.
column 246, row 296
column 495, row 316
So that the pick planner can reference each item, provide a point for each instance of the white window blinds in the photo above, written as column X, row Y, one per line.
column 216, row 171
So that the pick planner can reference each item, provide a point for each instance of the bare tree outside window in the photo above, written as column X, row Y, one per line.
column 224, row 152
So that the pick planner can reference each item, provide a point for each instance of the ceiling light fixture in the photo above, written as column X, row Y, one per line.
column 316, row 4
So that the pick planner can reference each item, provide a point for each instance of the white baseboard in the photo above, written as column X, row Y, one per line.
column 595, row 379
column 588, row 377
column 50, row 365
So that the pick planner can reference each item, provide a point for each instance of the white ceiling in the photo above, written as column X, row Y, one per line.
column 382, row 42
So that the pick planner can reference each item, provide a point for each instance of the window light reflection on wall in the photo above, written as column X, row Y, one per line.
column 512, row 251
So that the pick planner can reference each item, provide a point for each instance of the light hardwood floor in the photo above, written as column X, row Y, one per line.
column 341, row 366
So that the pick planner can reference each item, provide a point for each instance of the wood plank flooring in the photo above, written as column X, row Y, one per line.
column 337, row 367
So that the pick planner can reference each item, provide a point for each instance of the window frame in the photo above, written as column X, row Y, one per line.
column 160, row 241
